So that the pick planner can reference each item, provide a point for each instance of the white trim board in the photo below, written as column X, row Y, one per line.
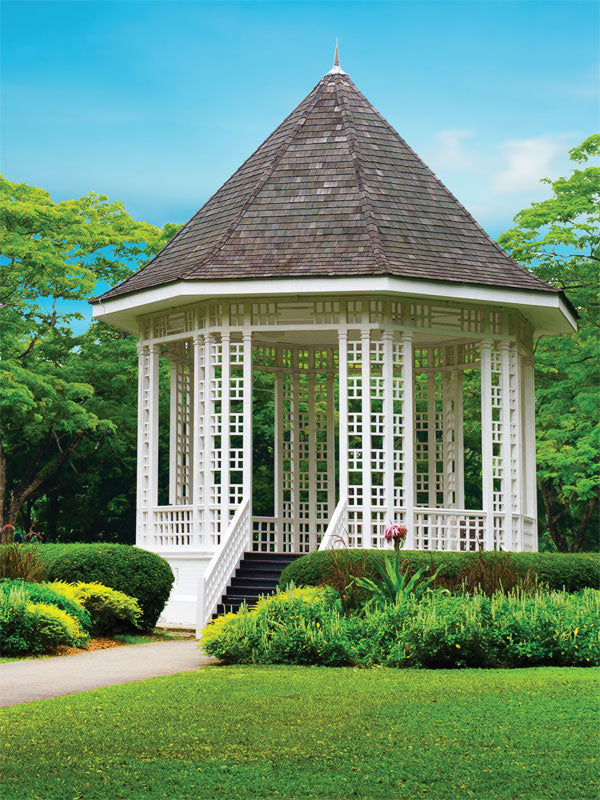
column 546, row 311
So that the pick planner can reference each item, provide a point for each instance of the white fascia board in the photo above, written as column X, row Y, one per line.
column 546, row 311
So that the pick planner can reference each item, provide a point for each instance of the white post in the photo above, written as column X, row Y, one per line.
column 312, row 455
column 278, row 450
column 460, row 441
column 142, row 449
column 408, row 429
column 343, row 410
column 153, row 423
column 506, row 443
column 198, row 445
column 365, row 340
column 210, row 536
column 247, row 412
column 487, row 460
column 225, row 427
column 388, row 420
column 295, row 449
column 331, row 501
column 530, row 480
column 173, row 430
column 517, row 490
column 431, row 434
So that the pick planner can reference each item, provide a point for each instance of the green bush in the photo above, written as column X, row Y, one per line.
column 298, row 626
column 438, row 631
column 28, row 628
column 571, row 571
column 138, row 573
column 110, row 611
column 46, row 593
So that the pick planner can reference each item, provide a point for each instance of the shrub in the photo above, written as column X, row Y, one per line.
column 138, row 573
column 18, row 562
column 50, row 595
column 571, row 571
column 298, row 626
column 304, row 626
column 35, row 628
column 110, row 611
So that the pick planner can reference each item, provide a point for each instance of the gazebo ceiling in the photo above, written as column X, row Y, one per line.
column 333, row 192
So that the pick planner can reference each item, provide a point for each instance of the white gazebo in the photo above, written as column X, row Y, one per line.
column 335, row 260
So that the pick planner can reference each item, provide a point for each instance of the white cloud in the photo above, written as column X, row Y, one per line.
column 526, row 161
column 449, row 154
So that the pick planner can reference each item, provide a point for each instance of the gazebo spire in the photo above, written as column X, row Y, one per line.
column 336, row 69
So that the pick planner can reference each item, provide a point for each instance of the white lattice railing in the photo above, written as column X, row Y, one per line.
column 267, row 536
column 337, row 530
column 448, row 529
column 172, row 526
column 223, row 564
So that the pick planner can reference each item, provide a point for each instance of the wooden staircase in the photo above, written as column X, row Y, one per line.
column 257, row 574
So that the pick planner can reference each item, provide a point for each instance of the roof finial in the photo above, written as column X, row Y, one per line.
column 336, row 69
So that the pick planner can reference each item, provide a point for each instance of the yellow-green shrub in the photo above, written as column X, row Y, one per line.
column 111, row 611
column 27, row 627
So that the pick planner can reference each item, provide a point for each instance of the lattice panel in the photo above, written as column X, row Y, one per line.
column 498, row 432
column 375, row 436
column 181, row 432
column 429, row 438
column 307, row 446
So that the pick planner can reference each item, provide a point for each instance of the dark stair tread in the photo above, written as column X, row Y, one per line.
column 257, row 576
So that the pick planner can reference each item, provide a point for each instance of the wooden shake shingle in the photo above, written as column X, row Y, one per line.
column 333, row 191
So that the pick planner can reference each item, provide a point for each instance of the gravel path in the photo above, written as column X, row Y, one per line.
column 38, row 679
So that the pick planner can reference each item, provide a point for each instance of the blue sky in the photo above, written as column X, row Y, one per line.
column 157, row 103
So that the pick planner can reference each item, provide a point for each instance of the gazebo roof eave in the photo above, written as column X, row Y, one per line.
column 549, row 311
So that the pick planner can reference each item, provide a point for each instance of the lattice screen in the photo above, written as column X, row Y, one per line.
column 307, row 465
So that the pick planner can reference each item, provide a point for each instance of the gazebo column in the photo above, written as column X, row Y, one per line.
column 225, row 428
column 247, row 414
column 343, row 410
column 529, row 484
column 180, row 431
column 199, row 437
column 487, row 445
column 364, row 454
column 148, row 363
column 517, row 501
column 453, row 445
column 408, row 437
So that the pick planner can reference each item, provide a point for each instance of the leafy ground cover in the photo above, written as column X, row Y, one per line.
column 309, row 732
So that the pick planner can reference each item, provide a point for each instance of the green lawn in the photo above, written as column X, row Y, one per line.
column 310, row 732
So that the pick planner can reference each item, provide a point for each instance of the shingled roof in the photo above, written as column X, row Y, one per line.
column 334, row 191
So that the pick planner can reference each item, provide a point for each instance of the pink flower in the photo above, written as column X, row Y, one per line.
column 394, row 532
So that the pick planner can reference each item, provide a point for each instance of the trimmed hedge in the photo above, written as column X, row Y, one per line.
column 571, row 571
column 138, row 573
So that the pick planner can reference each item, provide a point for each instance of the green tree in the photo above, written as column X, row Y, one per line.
column 559, row 238
column 53, row 253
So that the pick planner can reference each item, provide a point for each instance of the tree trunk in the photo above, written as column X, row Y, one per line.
column 25, row 490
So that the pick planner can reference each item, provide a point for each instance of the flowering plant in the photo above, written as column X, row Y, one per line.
column 395, row 533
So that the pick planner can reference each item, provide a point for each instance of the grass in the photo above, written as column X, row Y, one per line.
column 310, row 732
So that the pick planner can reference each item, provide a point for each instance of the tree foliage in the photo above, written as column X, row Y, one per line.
column 53, row 253
column 559, row 238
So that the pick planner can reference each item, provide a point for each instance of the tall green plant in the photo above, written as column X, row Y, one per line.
column 395, row 583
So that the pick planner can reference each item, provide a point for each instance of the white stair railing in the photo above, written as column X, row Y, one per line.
column 212, row 585
column 336, row 534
